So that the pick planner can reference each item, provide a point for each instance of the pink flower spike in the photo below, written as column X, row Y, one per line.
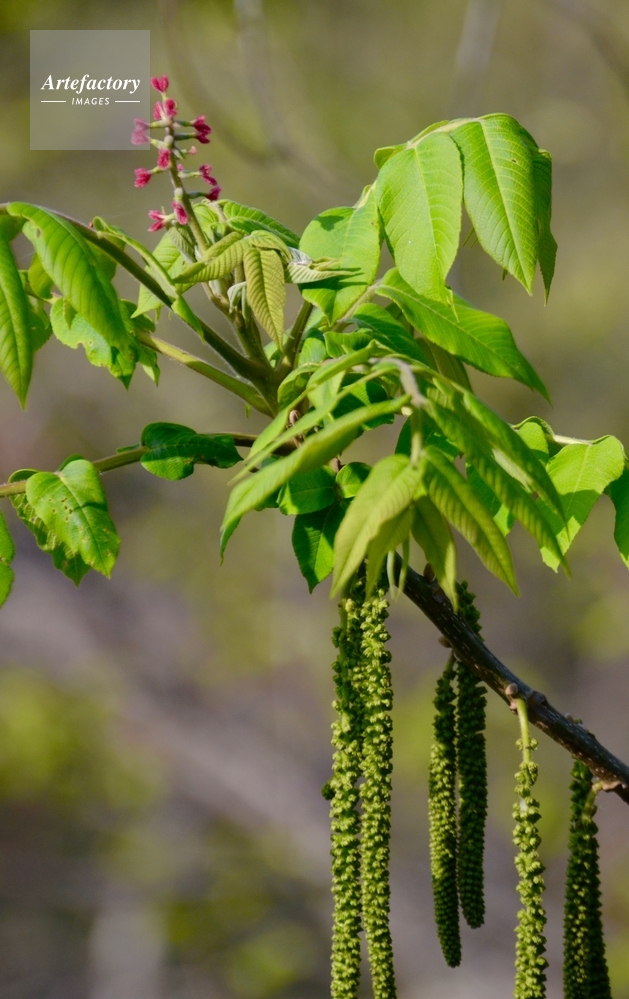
column 163, row 159
column 159, row 220
column 140, row 132
column 142, row 177
column 180, row 213
column 160, row 83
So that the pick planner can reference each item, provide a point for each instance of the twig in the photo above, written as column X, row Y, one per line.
column 471, row 650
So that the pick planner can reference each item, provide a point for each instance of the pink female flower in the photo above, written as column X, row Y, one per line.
column 206, row 172
column 159, row 220
column 140, row 134
column 202, row 129
column 142, row 177
column 214, row 193
column 163, row 159
column 180, row 213
column 165, row 109
column 160, row 83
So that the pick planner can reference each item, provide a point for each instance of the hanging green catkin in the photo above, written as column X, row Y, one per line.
column 377, row 701
column 472, row 768
column 343, row 794
column 530, row 963
column 442, row 817
column 585, row 973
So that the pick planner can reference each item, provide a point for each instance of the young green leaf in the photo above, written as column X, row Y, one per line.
column 389, row 333
column 174, row 450
column 316, row 450
column 547, row 248
column 387, row 492
column 432, row 533
column 351, row 477
column 308, row 492
column 38, row 279
column 66, row 258
column 71, row 503
column 457, row 500
column 16, row 348
column 266, row 289
column 73, row 330
column 499, row 191
column 168, row 255
column 313, row 542
column 476, row 337
column 352, row 237
column 247, row 220
column 618, row 491
column 391, row 535
column 419, row 195
column 581, row 472
column 218, row 260
column 7, row 552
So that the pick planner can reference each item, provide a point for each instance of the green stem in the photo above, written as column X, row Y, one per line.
column 241, row 389
column 294, row 339
column 523, row 718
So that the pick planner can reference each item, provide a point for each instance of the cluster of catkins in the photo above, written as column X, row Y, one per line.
column 359, row 791
column 457, row 835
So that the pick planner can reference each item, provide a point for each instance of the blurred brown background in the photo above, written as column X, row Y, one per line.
column 164, row 735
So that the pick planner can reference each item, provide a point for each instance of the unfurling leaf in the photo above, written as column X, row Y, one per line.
column 7, row 552
column 72, row 505
column 174, row 450
column 313, row 542
column 248, row 220
column 419, row 194
column 266, row 290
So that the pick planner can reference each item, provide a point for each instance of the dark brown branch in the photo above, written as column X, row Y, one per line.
column 472, row 651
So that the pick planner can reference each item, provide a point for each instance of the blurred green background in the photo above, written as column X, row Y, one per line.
column 163, row 736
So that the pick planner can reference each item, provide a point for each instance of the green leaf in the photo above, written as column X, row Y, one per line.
column 313, row 542
column 71, row 503
column 547, row 248
column 420, row 192
column 618, row 490
column 73, row 330
column 65, row 256
column 248, row 220
column 581, row 472
column 534, row 432
column 457, row 500
column 391, row 535
column 41, row 329
column 476, row 337
column 7, row 552
column 72, row 565
column 469, row 437
column 316, row 450
column 313, row 349
column 168, row 255
column 16, row 348
column 387, row 492
column 38, row 279
column 432, row 533
column 174, row 450
column 266, row 290
column 338, row 344
column 219, row 260
column 499, row 191
column 295, row 384
column 382, row 155
column 352, row 237
column 389, row 333
column 308, row 492
column 351, row 477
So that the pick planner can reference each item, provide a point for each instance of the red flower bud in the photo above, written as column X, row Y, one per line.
column 160, row 83
column 214, row 193
column 142, row 177
column 202, row 129
column 206, row 172
column 159, row 220
column 163, row 159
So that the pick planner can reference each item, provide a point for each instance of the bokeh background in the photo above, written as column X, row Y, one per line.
column 164, row 735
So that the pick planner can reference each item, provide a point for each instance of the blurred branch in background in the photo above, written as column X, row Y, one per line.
column 473, row 56
column 275, row 147
column 602, row 32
